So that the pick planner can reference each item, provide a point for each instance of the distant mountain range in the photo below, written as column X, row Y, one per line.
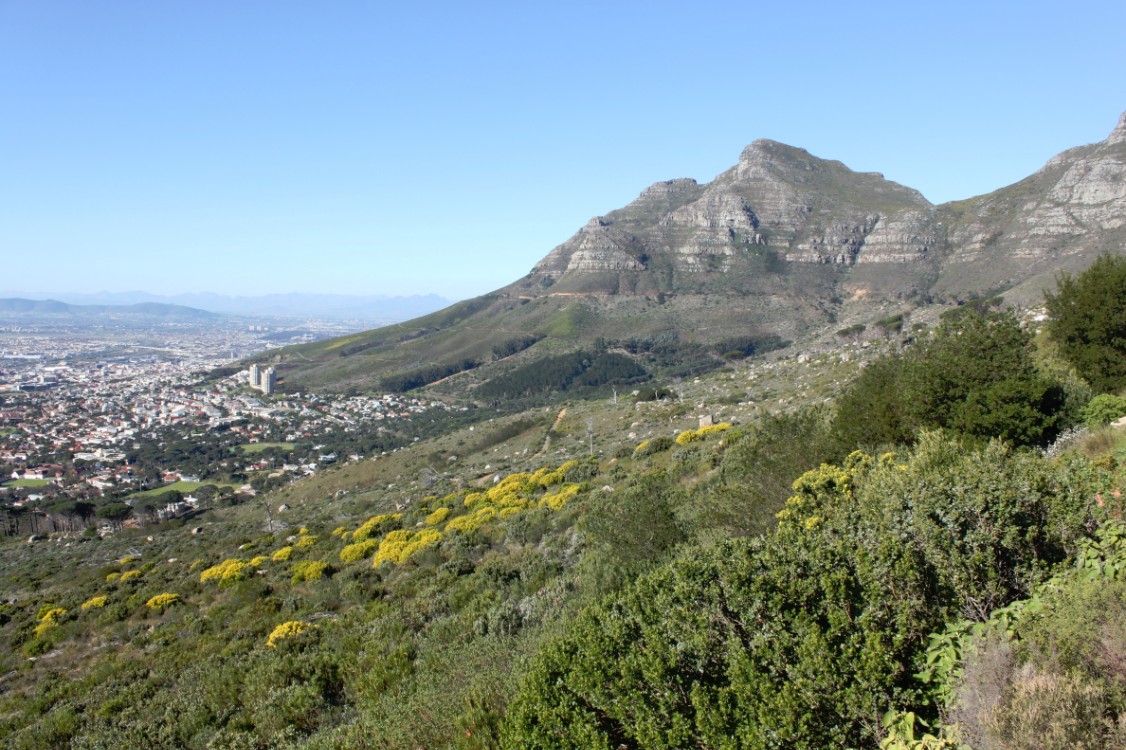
column 54, row 309
column 374, row 308
column 783, row 245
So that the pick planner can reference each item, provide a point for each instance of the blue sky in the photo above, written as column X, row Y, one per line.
column 374, row 148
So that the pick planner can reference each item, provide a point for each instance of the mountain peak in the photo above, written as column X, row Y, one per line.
column 767, row 144
column 1118, row 135
column 765, row 149
column 785, row 243
column 667, row 188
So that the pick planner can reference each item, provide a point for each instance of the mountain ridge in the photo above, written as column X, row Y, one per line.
column 384, row 308
column 784, row 244
column 23, row 306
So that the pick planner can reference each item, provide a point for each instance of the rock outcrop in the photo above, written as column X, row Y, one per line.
column 797, row 210
column 782, row 244
column 1059, row 218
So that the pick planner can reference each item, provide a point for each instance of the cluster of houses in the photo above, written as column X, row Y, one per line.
column 73, row 440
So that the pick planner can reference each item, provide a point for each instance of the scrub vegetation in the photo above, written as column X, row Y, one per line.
column 929, row 555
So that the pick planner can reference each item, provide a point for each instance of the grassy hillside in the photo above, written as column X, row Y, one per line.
column 703, row 562
column 508, row 332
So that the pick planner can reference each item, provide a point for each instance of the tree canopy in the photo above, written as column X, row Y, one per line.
column 1088, row 322
column 975, row 374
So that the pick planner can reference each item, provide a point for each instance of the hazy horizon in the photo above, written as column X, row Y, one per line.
column 362, row 149
column 294, row 304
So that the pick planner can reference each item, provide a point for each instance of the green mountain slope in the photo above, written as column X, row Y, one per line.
column 785, row 552
column 782, row 245
column 501, row 587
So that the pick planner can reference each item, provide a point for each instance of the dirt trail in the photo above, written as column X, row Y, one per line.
column 547, row 440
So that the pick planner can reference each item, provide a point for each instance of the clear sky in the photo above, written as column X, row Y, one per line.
column 399, row 148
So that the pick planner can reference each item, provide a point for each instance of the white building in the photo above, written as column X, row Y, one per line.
column 269, row 380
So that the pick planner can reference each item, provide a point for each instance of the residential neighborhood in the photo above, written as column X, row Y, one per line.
column 89, row 421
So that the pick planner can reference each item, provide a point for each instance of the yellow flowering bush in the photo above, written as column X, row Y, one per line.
column 510, row 496
column 339, row 531
column 259, row 561
column 510, row 492
column 446, row 501
column 399, row 546
column 546, row 477
column 513, row 484
column 226, row 573
column 286, row 630
column 48, row 620
column 513, row 501
column 161, row 602
column 282, row 555
column 128, row 559
column 686, row 437
column 95, row 602
column 306, row 540
column 397, row 535
column 437, row 516
column 129, row 575
column 691, row 436
column 374, row 525
column 358, row 551
column 650, row 447
column 307, row 570
column 559, row 498
column 111, row 577
column 815, row 491
column 472, row 521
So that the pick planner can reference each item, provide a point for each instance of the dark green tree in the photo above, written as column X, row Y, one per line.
column 1088, row 322
column 975, row 375
column 871, row 411
column 115, row 513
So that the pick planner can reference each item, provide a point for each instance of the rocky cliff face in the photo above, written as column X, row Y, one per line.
column 795, row 210
column 1059, row 218
column 778, row 200
column 783, row 244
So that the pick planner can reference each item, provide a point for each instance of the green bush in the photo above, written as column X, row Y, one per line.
column 975, row 374
column 757, row 472
column 658, row 444
column 1061, row 683
column 871, row 412
column 806, row 636
column 1087, row 319
column 636, row 524
column 1102, row 410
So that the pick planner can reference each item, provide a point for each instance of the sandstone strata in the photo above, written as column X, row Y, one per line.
column 805, row 211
